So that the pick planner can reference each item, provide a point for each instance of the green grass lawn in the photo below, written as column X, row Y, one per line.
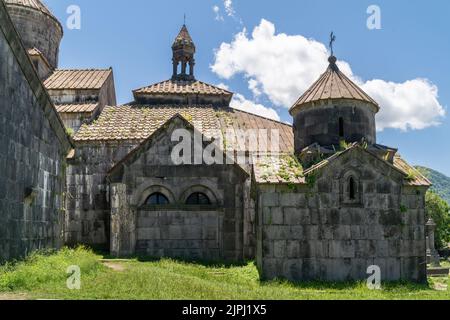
column 43, row 276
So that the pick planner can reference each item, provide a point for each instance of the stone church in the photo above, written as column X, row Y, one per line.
column 323, row 202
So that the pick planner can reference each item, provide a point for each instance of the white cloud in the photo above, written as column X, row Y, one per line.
column 409, row 105
column 284, row 66
column 218, row 17
column 228, row 4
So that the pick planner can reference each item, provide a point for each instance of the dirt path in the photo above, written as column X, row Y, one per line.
column 114, row 266
column 13, row 296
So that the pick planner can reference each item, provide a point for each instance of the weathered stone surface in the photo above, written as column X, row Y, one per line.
column 177, row 229
column 37, row 29
column 337, row 241
column 32, row 159
column 320, row 124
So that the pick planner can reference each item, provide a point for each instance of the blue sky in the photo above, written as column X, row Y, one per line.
column 135, row 38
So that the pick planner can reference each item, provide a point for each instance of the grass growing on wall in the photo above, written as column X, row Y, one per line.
column 43, row 276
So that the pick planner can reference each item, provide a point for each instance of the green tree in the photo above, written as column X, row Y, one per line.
column 439, row 210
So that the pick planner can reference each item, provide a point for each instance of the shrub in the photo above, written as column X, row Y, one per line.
column 439, row 210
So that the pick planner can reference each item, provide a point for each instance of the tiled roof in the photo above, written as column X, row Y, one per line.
column 76, row 108
column 77, row 79
column 333, row 84
column 137, row 122
column 183, row 37
column 240, row 120
column 182, row 87
column 275, row 169
column 414, row 177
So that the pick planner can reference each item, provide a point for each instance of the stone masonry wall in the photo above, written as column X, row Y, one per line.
column 177, row 229
column 32, row 155
column 193, row 234
column 310, row 233
column 88, row 212
column 319, row 123
column 38, row 30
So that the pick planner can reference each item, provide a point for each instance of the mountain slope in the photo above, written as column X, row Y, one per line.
column 441, row 183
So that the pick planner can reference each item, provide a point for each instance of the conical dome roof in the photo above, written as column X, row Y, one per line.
column 183, row 38
column 34, row 4
column 333, row 84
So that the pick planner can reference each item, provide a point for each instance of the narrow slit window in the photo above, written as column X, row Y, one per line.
column 341, row 127
column 352, row 187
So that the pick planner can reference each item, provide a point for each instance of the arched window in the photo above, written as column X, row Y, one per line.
column 198, row 198
column 341, row 127
column 352, row 188
column 157, row 198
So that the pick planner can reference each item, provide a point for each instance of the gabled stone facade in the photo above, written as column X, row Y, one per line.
column 318, row 231
column 212, row 231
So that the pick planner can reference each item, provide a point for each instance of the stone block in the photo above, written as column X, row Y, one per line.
column 292, row 269
column 279, row 248
column 311, row 232
column 341, row 249
column 272, row 269
column 410, row 268
column 394, row 248
column 295, row 216
column 342, row 232
column 277, row 216
column 297, row 233
column 270, row 199
column 148, row 233
column 293, row 249
column 292, row 200
column 268, row 249
column 326, row 232
column 376, row 232
column 277, row 232
column 314, row 216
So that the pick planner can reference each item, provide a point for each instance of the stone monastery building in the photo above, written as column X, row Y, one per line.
column 326, row 202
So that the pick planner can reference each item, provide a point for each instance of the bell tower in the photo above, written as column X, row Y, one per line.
column 183, row 50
